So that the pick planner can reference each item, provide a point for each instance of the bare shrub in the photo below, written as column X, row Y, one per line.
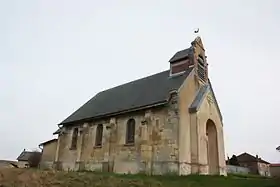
column 34, row 159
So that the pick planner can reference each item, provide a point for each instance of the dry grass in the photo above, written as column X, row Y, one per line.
column 34, row 178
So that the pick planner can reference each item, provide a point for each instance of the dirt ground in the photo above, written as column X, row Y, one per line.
column 36, row 178
column 39, row 178
column 24, row 177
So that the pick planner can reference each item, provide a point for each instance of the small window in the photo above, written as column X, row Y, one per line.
column 157, row 123
column 74, row 139
column 130, row 131
column 201, row 59
column 201, row 68
column 98, row 136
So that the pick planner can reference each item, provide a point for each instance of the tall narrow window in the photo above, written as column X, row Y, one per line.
column 130, row 131
column 98, row 136
column 74, row 138
column 201, row 68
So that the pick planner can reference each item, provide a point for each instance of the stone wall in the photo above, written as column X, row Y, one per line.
column 159, row 134
column 155, row 149
column 186, row 95
column 67, row 157
column 237, row 169
column 208, row 111
column 264, row 169
column 275, row 171
column 193, row 139
column 46, row 165
column 22, row 164
column 48, row 153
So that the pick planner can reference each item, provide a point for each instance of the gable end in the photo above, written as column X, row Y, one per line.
column 200, row 95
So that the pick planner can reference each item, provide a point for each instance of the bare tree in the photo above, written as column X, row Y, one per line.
column 34, row 159
column 233, row 161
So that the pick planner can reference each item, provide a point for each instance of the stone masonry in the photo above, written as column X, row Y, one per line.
column 155, row 149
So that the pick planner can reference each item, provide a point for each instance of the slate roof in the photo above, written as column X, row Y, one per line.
column 181, row 55
column 245, row 157
column 25, row 155
column 147, row 91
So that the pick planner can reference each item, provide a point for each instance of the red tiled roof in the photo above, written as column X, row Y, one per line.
column 275, row 165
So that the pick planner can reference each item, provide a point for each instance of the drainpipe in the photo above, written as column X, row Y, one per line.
column 111, row 158
column 80, row 154
column 153, row 146
column 58, row 145
column 109, row 147
column 40, row 147
column 152, row 160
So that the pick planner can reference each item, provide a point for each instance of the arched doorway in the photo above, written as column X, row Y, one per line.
column 212, row 147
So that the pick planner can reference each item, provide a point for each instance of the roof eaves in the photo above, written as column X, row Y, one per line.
column 179, row 59
column 181, row 55
column 263, row 161
column 57, row 131
column 20, row 156
column 160, row 103
column 47, row 142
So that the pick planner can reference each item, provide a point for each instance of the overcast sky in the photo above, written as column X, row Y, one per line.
column 55, row 55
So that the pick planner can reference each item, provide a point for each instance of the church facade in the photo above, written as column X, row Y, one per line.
column 167, row 122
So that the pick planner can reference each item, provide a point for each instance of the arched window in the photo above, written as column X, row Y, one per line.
column 98, row 136
column 74, row 138
column 130, row 131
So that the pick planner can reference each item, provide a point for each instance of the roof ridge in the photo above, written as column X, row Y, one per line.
column 133, row 81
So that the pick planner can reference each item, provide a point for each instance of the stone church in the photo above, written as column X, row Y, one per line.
column 169, row 122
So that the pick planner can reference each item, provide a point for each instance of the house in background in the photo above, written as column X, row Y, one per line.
column 48, row 153
column 24, row 158
column 166, row 122
column 254, row 163
column 275, row 170
column 8, row 164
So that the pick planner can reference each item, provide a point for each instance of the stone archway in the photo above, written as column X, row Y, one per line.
column 212, row 147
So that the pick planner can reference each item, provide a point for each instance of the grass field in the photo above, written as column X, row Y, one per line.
column 34, row 178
